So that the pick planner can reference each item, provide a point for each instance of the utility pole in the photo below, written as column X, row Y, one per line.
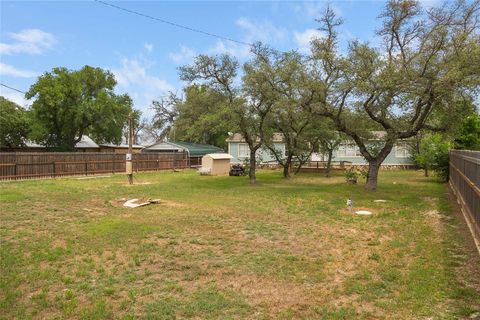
column 129, row 165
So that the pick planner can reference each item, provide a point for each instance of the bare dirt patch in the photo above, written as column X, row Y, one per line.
column 355, row 209
column 135, row 184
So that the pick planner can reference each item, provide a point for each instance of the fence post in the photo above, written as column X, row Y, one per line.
column 86, row 168
column 53, row 165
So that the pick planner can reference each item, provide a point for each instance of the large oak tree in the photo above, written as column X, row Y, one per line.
column 426, row 62
column 249, row 110
column 277, row 78
column 71, row 103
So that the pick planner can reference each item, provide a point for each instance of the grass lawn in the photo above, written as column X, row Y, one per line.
column 218, row 248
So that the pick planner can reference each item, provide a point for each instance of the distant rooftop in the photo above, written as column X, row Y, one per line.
column 121, row 146
column 193, row 149
column 238, row 137
column 86, row 142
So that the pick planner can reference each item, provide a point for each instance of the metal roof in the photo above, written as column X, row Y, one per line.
column 196, row 149
column 86, row 142
column 164, row 146
column 121, row 146
column 193, row 149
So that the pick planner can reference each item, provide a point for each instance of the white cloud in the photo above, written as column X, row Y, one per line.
column 148, row 47
column 134, row 72
column 314, row 10
column 8, row 70
column 30, row 41
column 254, row 31
column 14, row 96
column 310, row 9
column 234, row 49
column 263, row 31
column 185, row 55
column 303, row 39
column 143, row 87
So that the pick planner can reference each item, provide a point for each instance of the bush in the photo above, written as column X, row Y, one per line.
column 433, row 154
column 440, row 162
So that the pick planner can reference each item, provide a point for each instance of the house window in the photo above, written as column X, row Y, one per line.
column 348, row 150
column 243, row 150
column 341, row 151
column 401, row 150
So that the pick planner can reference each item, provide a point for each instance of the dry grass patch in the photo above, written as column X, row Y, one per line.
column 218, row 248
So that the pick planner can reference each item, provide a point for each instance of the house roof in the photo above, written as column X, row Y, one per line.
column 193, row 149
column 219, row 156
column 238, row 137
column 164, row 146
column 121, row 146
column 86, row 142
column 31, row 144
column 196, row 149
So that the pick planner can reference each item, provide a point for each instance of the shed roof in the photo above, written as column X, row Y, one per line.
column 217, row 156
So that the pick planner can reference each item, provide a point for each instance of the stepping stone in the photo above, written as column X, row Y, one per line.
column 363, row 212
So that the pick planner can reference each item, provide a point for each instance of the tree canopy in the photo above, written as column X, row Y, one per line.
column 468, row 135
column 203, row 116
column 14, row 124
column 426, row 62
column 244, row 101
column 69, row 104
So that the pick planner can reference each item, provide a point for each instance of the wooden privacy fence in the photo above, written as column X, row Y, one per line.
column 30, row 165
column 465, row 182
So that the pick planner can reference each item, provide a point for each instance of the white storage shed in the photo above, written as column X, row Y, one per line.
column 216, row 163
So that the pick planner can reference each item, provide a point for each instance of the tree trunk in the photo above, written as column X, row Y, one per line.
column 426, row 171
column 286, row 166
column 329, row 163
column 372, row 175
column 374, row 166
column 297, row 169
column 253, row 165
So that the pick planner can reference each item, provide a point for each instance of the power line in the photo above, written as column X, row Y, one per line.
column 11, row 88
column 173, row 23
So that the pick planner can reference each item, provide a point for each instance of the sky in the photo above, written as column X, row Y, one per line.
column 144, row 54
